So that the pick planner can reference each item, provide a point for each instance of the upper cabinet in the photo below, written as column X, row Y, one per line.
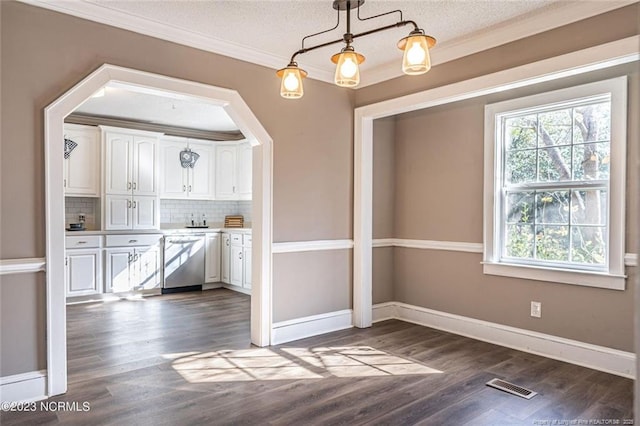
column 130, row 162
column 179, row 179
column 82, row 162
column 131, row 194
column 233, row 171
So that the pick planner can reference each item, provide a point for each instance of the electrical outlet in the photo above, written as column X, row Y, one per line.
column 536, row 309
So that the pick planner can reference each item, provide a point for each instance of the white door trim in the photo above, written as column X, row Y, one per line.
column 574, row 63
column 234, row 105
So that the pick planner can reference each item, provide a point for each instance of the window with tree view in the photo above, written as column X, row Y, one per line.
column 554, row 185
column 555, row 180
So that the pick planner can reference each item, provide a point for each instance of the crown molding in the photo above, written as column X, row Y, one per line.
column 565, row 13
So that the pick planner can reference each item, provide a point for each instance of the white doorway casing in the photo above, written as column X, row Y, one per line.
column 234, row 105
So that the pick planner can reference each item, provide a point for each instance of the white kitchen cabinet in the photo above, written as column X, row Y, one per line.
column 126, row 212
column 226, row 157
column 83, row 272
column 133, row 268
column 236, row 259
column 130, row 179
column 245, row 172
column 233, row 171
column 179, row 182
column 246, row 261
column 235, row 270
column 225, row 258
column 213, row 255
column 82, row 168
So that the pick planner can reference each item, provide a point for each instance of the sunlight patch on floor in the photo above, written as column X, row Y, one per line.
column 292, row 364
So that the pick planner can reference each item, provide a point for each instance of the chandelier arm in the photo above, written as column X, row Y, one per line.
column 321, row 32
column 341, row 40
column 379, row 15
column 387, row 27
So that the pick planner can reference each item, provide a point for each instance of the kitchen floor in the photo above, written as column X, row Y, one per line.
column 187, row 359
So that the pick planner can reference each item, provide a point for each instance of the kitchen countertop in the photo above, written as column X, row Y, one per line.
column 166, row 230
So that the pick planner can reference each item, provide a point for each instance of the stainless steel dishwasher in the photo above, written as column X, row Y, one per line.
column 184, row 259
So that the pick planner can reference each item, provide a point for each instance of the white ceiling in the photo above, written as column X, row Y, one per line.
column 153, row 106
column 267, row 32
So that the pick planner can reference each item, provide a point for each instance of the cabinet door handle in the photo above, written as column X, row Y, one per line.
column 184, row 188
column 65, row 183
column 136, row 257
column 134, row 204
column 227, row 242
column 128, row 185
column 130, row 258
column 128, row 204
column 234, row 189
column 66, row 261
column 240, row 255
column 134, row 185
column 82, row 242
column 189, row 188
column 133, row 241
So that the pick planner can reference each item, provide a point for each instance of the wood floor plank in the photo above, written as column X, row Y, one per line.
column 187, row 359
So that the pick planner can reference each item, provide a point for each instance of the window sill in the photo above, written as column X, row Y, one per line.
column 565, row 276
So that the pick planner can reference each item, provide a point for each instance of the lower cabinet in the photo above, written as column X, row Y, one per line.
column 212, row 263
column 83, row 272
column 83, row 265
column 132, row 262
column 236, row 259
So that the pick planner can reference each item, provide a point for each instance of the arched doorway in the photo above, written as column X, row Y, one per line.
column 238, row 110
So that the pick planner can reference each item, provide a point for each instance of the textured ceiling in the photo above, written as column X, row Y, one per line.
column 277, row 27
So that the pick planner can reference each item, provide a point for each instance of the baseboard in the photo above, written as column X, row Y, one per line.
column 300, row 328
column 601, row 358
column 25, row 387
column 236, row 288
column 211, row 286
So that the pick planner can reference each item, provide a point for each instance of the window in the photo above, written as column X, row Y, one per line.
column 554, row 185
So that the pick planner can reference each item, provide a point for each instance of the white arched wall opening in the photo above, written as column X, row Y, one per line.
column 234, row 105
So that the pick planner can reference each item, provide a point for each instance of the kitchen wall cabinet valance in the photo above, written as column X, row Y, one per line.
column 178, row 182
column 82, row 167
column 131, row 195
column 233, row 171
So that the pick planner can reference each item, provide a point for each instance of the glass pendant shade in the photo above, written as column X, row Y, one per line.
column 347, row 67
column 291, row 86
column 416, row 59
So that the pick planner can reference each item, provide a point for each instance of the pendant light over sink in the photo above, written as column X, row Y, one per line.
column 415, row 61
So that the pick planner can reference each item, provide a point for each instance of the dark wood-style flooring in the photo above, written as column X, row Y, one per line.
column 186, row 359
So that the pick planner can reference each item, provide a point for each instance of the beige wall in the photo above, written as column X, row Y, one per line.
column 439, row 196
column 45, row 53
column 311, row 283
column 22, row 316
column 384, row 188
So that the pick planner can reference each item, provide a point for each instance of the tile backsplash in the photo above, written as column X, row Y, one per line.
column 179, row 211
column 171, row 211
column 89, row 207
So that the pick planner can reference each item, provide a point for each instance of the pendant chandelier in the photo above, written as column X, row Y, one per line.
column 415, row 61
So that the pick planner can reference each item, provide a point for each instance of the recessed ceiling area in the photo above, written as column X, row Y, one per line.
column 143, row 105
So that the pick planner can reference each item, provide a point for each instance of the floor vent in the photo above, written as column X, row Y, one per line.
column 511, row 388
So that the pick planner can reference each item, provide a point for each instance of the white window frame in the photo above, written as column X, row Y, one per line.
column 612, row 277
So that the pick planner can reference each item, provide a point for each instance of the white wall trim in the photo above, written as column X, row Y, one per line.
column 384, row 311
column 601, row 358
column 579, row 62
column 262, row 207
column 317, row 245
column 429, row 245
column 25, row 387
column 630, row 259
column 512, row 30
column 22, row 266
column 300, row 328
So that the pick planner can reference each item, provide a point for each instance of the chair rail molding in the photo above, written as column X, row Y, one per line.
column 22, row 266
